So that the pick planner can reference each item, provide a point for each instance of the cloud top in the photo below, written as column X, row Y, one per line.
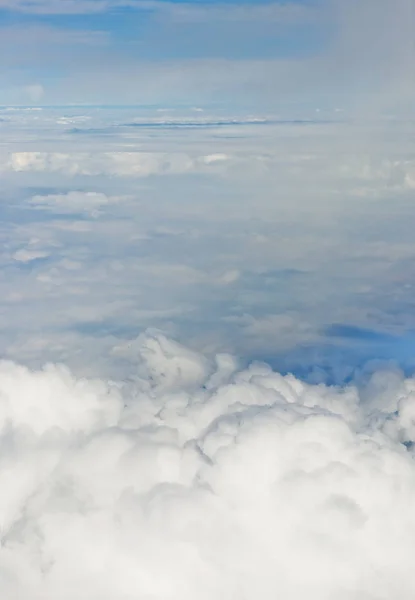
column 199, row 480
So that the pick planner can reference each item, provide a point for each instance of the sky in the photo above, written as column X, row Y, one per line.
column 207, row 330
column 237, row 52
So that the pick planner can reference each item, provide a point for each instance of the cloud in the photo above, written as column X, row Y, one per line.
column 26, row 255
column 373, row 49
column 274, row 12
column 75, row 202
column 359, row 53
column 136, row 164
column 180, row 11
column 54, row 6
column 248, row 237
column 289, row 329
column 39, row 36
column 35, row 92
column 199, row 480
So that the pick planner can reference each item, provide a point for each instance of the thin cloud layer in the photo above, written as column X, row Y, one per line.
column 235, row 232
column 199, row 480
column 138, row 164
column 178, row 10
column 75, row 202
column 64, row 7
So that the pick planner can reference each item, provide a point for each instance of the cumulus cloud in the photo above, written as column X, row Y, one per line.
column 199, row 480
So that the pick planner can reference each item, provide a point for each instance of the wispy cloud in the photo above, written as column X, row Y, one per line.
column 55, row 6
column 183, row 11
column 277, row 13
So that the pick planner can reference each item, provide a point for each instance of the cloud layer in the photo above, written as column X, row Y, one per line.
column 236, row 232
column 200, row 480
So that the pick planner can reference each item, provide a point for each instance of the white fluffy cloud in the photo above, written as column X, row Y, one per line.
column 199, row 480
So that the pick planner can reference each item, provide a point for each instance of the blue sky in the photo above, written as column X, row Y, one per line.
column 133, row 51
